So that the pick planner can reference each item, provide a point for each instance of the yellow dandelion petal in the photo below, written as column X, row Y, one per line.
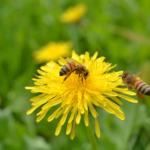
column 86, row 57
column 72, row 134
column 97, row 128
column 78, row 118
column 86, row 119
column 92, row 110
column 73, row 129
column 80, row 102
column 108, row 110
column 99, row 61
column 116, row 100
column 117, row 112
column 52, row 51
column 112, row 104
column 75, row 56
column 42, row 115
column 58, row 129
column 69, row 126
column 41, row 72
column 73, row 14
column 41, row 112
column 82, row 56
column 94, row 56
column 44, row 100
column 61, row 61
column 128, row 98
column 33, row 108
column 77, row 95
column 52, row 103
column 63, row 119
column 125, row 91
column 60, row 113
column 37, row 98
column 29, row 88
column 72, row 115
column 53, row 115
column 85, row 102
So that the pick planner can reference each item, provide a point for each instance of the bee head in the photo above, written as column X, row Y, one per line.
column 86, row 73
column 124, row 75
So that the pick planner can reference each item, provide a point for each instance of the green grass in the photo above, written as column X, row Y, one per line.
column 118, row 30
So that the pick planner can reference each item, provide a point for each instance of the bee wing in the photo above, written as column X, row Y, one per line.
column 72, row 60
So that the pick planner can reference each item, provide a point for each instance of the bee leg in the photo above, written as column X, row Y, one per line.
column 66, row 77
column 130, row 87
column 85, row 77
column 79, row 78
column 82, row 80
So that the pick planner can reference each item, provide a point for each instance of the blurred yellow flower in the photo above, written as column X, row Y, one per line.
column 74, row 14
column 52, row 51
column 101, row 89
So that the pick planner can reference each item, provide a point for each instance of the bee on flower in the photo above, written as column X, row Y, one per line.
column 100, row 88
column 74, row 14
column 52, row 51
column 74, row 66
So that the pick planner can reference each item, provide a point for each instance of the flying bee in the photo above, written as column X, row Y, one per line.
column 74, row 66
column 133, row 82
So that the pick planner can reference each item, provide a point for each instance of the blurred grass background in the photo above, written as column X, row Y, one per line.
column 118, row 30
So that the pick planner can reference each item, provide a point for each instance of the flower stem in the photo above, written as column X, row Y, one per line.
column 92, row 137
column 74, row 36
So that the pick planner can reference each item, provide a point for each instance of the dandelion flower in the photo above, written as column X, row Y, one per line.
column 76, row 98
column 74, row 14
column 52, row 51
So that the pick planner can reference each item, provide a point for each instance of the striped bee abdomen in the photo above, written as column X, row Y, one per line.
column 64, row 70
column 142, row 87
column 67, row 68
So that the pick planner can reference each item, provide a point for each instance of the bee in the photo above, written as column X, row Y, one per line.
column 73, row 66
column 133, row 82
